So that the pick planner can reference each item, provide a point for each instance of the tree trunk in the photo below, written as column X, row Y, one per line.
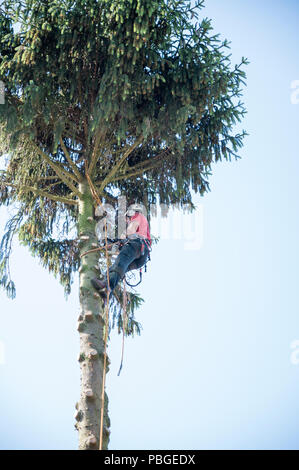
column 91, row 327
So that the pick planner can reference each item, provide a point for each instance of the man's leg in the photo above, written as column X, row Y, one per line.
column 139, row 262
column 129, row 252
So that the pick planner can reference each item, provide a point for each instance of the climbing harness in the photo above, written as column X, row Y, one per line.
column 135, row 285
column 147, row 243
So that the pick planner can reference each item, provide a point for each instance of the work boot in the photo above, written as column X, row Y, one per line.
column 98, row 284
column 101, row 287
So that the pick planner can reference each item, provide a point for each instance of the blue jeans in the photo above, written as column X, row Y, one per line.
column 133, row 255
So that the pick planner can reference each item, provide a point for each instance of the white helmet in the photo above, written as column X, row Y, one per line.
column 134, row 208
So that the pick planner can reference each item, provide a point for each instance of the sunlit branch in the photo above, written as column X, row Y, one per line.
column 61, row 173
column 40, row 192
column 71, row 163
column 147, row 165
column 116, row 167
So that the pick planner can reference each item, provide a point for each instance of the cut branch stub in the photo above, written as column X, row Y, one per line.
column 91, row 441
column 81, row 357
column 93, row 354
column 89, row 316
column 89, row 394
column 78, row 415
column 81, row 326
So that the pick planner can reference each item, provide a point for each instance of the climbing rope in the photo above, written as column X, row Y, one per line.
column 100, row 248
column 105, row 345
column 124, row 326
column 125, row 317
column 98, row 201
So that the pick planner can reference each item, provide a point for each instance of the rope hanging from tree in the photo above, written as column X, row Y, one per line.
column 124, row 326
column 98, row 202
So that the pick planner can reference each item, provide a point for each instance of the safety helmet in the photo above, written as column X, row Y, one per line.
column 134, row 208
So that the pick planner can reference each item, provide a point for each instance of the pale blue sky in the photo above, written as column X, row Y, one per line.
column 212, row 368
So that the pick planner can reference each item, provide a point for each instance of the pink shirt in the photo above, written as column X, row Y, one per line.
column 143, row 227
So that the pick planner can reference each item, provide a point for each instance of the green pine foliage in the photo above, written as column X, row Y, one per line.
column 141, row 94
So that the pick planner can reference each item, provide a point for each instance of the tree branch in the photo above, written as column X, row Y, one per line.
column 109, row 197
column 61, row 173
column 94, row 156
column 116, row 167
column 40, row 192
column 71, row 149
column 71, row 163
column 146, row 165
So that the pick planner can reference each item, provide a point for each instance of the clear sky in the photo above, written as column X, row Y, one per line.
column 214, row 367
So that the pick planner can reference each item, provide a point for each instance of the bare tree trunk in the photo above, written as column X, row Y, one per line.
column 91, row 327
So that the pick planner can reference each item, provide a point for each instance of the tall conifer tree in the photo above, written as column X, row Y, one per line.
column 132, row 97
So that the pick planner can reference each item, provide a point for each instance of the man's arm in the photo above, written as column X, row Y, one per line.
column 132, row 227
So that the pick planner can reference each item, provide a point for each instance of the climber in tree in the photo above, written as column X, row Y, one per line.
column 134, row 253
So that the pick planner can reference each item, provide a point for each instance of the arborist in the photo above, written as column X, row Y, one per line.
column 134, row 252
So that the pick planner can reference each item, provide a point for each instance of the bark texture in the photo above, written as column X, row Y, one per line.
column 91, row 327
